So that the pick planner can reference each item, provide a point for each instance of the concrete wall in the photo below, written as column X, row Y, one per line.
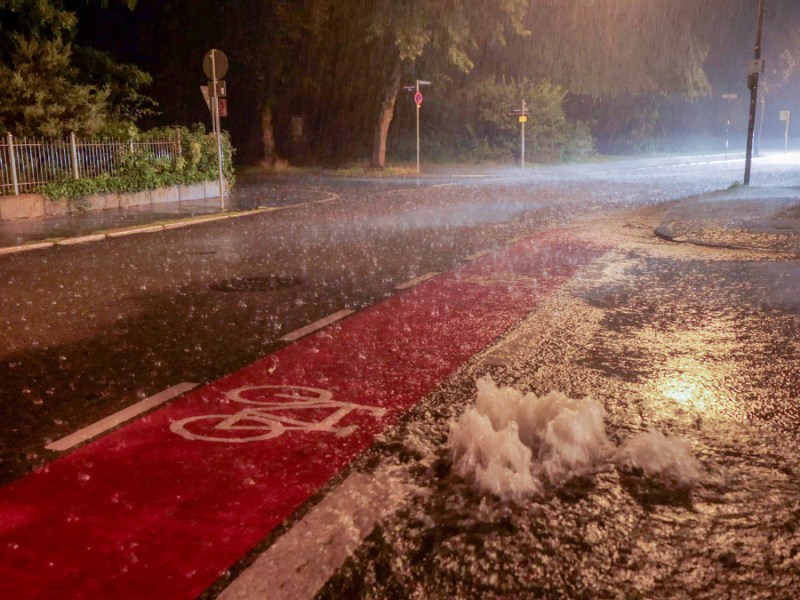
column 26, row 206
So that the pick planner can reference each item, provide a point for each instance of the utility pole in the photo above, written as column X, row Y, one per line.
column 756, row 67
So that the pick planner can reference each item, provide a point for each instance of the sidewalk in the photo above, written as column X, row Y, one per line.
column 756, row 218
column 40, row 232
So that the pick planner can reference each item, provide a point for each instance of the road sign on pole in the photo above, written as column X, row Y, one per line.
column 222, row 89
column 418, row 101
column 215, row 66
column 522, row 117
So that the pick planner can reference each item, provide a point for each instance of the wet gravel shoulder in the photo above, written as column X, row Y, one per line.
column 759, row 218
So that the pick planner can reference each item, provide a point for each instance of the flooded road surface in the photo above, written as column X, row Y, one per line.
column 676, row 478
column 697, row 344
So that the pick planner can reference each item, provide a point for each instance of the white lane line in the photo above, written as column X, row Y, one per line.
column 478, row 255
column 518, row 238
column 304, row 331
column 302, row 560
column 416, row 281
column 117, row 418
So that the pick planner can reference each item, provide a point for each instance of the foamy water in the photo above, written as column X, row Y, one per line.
column 512, row 444
column 668, row 459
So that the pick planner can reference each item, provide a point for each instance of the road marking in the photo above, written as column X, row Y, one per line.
column 270, row 411
column 503, row 280
column 416, row 281
column 134, row 231
column 26, row 247
column 117, row 418
column 517, row 239
column 478, row 255
column 331, row 197
column 315, row 326
column 82, row 239
column 310, row 553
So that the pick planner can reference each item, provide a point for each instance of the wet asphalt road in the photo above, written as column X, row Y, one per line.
column 696, row 342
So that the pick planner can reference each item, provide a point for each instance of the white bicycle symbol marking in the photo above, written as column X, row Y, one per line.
column 260, row 421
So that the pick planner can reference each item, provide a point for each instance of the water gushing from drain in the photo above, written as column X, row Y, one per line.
column 512, row 444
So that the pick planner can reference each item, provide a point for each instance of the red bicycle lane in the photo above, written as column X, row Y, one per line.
column 159, row 508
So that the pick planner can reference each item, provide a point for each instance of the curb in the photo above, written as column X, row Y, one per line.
column 127, row 231
column 772, row 243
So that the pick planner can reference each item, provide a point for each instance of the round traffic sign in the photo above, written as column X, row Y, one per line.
column 215, row 64
column 418, row 98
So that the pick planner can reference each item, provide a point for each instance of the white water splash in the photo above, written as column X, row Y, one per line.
column 512, row 444
column 668, row 459
column 494, row 443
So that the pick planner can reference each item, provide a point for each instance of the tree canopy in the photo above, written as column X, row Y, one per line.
column 54, row 87
column 323, row 78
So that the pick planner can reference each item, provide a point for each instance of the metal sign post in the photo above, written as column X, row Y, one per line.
column 523, row 118
column 786, row 116
column 418, row 101
column 522, row 115
column 215, row 66
column 728, row 121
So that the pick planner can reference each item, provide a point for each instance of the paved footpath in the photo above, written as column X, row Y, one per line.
column 162, row 507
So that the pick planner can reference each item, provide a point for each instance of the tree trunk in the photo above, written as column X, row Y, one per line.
column 385, row 119
column 269, row 156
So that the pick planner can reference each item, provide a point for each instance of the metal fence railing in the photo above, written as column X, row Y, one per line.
column 27, row 164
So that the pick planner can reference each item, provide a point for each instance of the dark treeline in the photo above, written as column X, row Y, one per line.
column 322, row 80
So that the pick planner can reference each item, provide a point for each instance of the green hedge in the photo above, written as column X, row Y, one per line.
column 142, row 170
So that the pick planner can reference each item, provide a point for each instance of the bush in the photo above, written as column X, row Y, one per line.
column 142, row 170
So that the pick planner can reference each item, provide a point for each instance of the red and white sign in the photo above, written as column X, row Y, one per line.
column 418, row 98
